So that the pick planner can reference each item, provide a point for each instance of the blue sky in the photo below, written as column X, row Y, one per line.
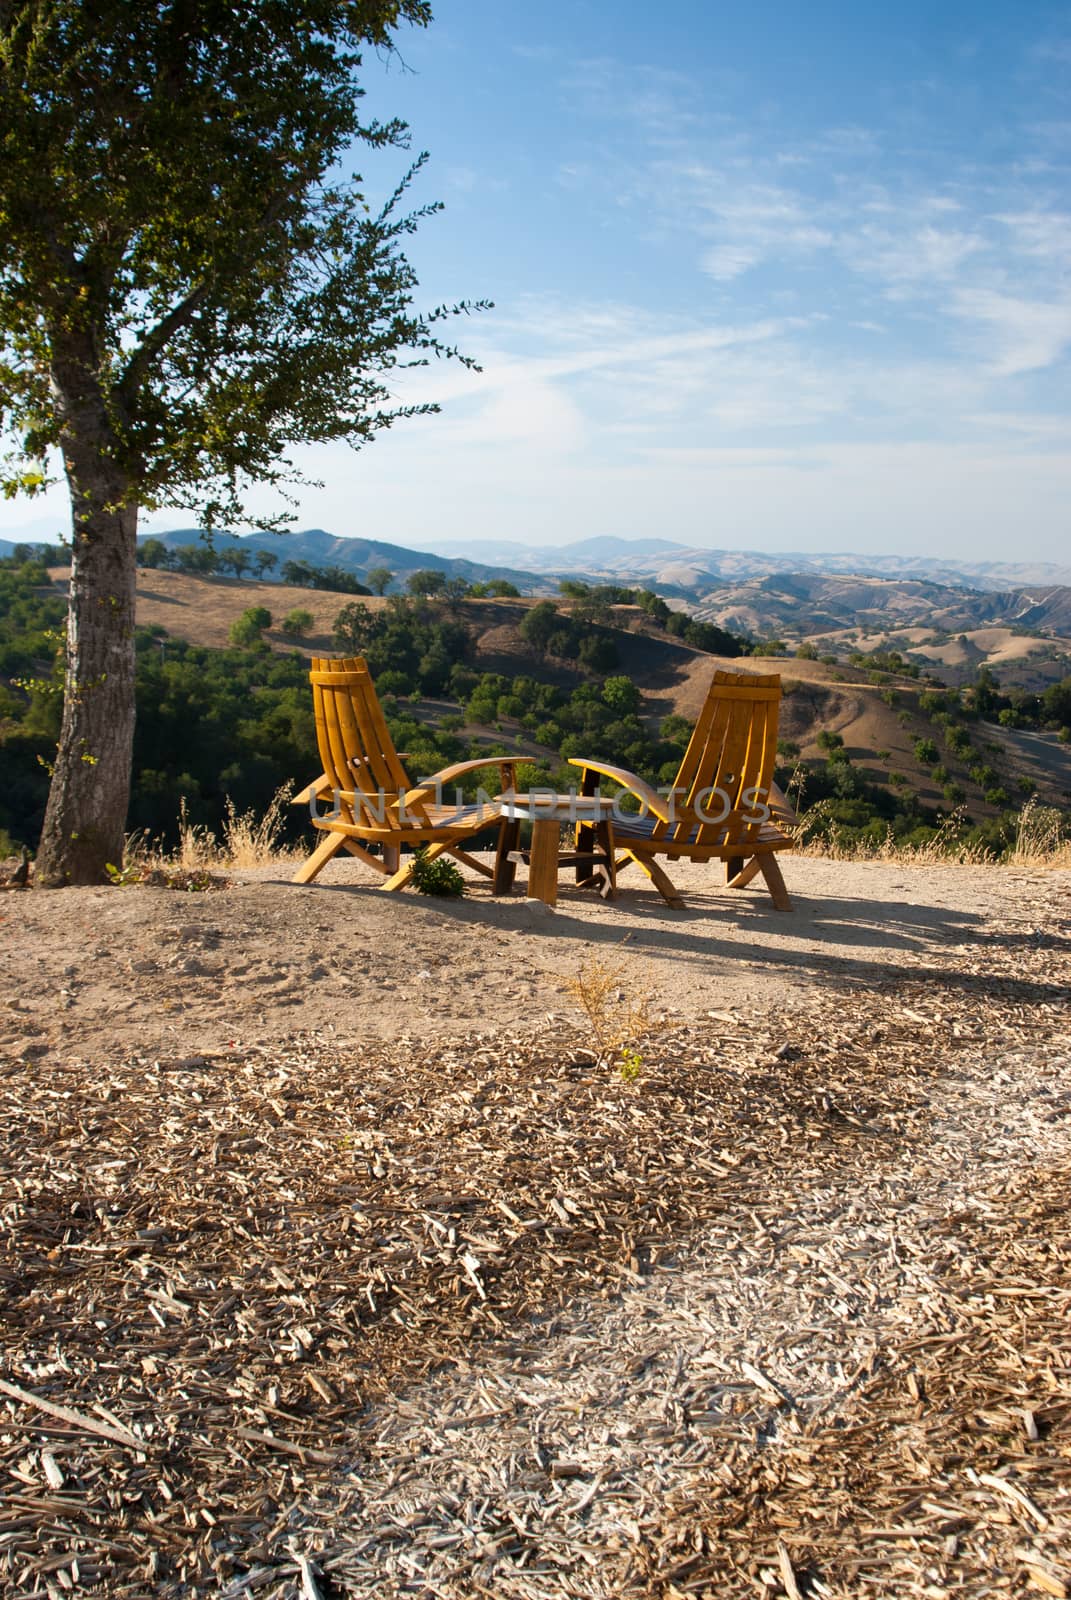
column 770, row 276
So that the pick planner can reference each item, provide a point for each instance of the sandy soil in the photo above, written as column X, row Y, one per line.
column 96, row 973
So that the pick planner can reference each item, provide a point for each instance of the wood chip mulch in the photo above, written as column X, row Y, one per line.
column 787, row 1315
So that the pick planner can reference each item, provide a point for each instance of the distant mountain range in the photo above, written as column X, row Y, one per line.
column 687, row 566
column 684, row 570
column 766, row 596
column 805, row 603
column 359, row 556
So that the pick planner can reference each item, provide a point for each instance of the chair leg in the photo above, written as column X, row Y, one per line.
column 471, row 861
column 745, row 875
column 661, row 880
column 775, row 882
column 584, row 846
column 328, row 847
column 604, row 834
column 733, row 867
column 399, row 879
column 543, row 862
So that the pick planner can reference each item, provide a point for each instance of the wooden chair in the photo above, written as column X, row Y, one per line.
column 715, row 810
column 371, row 797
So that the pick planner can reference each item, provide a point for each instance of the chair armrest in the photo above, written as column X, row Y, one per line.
column 781, row 807
column 425, row 790
column 313, row 791
column 655, row 803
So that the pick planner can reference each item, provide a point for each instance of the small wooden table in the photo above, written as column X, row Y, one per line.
column 593, row 860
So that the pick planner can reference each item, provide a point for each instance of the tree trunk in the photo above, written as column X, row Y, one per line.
column 90, row 793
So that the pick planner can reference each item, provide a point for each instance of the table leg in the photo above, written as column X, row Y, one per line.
column 506, row 868
column 543, row 861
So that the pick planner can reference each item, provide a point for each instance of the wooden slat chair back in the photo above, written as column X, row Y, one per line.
column 729, row 760
column 715, row 810
column 371, row 798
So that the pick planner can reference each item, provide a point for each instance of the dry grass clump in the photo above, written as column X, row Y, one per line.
column 1041, row 838
column 249, row 840
column 1041, row 841
column 948, row 848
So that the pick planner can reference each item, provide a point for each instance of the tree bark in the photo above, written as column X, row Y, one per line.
column 90, row 792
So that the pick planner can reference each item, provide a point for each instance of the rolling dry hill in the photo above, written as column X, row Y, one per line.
column 879, row 723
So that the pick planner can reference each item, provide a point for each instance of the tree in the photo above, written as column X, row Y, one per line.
column 153, row 553
column 378, row 578
column 196, row 558
column 539, row 624
column 247, row 628
column 299, row 573
column 355, row 628
column 240, row 560
column 426, row 581
column 189, row 289
column 621, row 695
column 264, row 561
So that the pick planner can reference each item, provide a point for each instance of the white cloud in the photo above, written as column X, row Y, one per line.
column 1020, row 335
column 727, row 261
column 900, row 259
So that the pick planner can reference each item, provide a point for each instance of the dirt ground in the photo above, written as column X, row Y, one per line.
column 334, row 1263
column 100, row 973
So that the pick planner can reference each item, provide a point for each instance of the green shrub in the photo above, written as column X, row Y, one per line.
column 297, row 623
column 439, row 877
column 248, row 628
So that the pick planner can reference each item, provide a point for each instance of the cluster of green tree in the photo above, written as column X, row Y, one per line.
column 45, row 555
column 430, row 583
column 1019, row 708
column 252, row 713
column 570, row 636
column 594, row 603
column 303, row 575
column 248, row 628
column 838, row 800
column 882, row 664
column 204, row 560
column 32, row 608
column 411, row 646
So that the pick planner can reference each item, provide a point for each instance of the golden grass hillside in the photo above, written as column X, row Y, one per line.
column 673, row 677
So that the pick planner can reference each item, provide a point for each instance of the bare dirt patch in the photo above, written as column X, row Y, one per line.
column 93, row 973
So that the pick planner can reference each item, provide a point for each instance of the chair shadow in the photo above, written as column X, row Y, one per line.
column 852, row 934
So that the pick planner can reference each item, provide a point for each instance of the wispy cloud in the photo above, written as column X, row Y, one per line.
column 1022, row 335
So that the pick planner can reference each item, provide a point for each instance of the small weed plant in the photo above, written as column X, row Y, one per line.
column 439, row 877
column 618, row 1019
